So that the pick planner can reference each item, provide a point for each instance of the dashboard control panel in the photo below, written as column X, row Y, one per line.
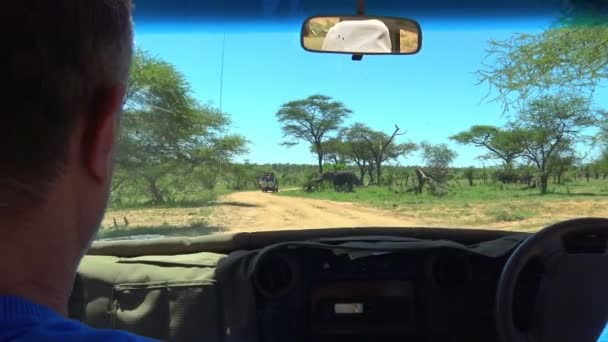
column 308, row 294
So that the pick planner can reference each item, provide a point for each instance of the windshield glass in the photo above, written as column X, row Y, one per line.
column 233, row 126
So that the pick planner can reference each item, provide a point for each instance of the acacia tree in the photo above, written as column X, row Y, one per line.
column 382, row 147
column 602, row 162
column 438, row 159
column 566, row 56
column 561, row 164
column 335, row 152
column 469, row 174
column 312, row 119
column 550, row 126
column 603, row 132
column 501, row 144
column 356, row 147
column 165, row 134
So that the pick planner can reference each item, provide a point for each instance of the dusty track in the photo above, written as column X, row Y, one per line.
column 254, row 210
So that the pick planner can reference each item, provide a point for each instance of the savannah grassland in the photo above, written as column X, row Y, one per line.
column 512, row 207
column 498, row 206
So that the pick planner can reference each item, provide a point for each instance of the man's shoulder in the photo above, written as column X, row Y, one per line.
column 65, row 330
column 22, row 321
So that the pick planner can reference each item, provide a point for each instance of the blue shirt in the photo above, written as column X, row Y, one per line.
column 23, row 321
column 604, row 336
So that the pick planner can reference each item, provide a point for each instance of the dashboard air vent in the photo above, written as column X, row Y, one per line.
column 274, row 276
column 451, row 271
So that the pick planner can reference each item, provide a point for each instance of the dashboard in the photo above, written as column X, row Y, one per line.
column 353, row 285
column 431, row 295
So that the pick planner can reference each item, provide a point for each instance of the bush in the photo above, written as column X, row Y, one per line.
column 507, row 216
column 438, row 189
column 509, row 213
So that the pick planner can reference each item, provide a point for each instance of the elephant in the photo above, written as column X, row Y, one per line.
column 341, row 179
column 327, row 176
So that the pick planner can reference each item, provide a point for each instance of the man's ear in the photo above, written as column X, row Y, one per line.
column 100, row 132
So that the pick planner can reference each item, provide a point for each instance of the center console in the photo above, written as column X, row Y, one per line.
column 362, row 307
column 317, row 295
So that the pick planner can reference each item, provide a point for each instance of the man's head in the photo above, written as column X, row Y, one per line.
column 64, row 67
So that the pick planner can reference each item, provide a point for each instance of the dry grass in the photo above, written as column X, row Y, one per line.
column 493, row 206
column 498, row 207
column 555, row 211
column 517, row 215
column 149, row 217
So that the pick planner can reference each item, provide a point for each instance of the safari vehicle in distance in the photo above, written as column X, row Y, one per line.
column 268, row 182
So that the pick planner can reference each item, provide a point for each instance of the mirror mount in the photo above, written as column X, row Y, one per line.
column 360, row 7
column 361, row 12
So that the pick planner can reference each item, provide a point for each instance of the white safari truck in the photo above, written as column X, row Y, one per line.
column 268, row 182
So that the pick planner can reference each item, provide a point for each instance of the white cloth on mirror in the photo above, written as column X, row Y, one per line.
column 365, row 36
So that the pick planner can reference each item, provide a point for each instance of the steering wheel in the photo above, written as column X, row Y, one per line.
column 571, row 300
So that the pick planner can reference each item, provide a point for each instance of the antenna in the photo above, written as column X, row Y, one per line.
column 222, row 71
column 222, row 90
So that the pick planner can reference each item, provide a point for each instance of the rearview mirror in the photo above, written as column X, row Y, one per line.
column 361, row 35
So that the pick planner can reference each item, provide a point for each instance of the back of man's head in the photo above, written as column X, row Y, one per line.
column 57, row 57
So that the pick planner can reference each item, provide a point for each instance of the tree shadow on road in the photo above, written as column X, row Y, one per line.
column 186, row 204
column 234, row 204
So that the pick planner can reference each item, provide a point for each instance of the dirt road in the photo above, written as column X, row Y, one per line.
column 254, row 210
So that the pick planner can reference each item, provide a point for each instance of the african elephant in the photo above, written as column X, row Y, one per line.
column 327, row 176
column 341, row 179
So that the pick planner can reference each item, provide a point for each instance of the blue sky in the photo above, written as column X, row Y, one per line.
column 431, row 95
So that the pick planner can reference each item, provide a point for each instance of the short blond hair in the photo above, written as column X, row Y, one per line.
column 56, row 56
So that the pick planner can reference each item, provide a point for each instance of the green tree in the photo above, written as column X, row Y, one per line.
column 356, row 147
column 550, row 126
column 383, row 147
column 562, row 163
column 501, row 144
column 437, row 159
column 334, row 150
column 313, row 120
column 469, row 174
column 526, row 173
column 242, row 176
column 603, row 125
column 165, row 134
column 602, row 162
column 587, row 172
column 597, row 168
column 571, row 56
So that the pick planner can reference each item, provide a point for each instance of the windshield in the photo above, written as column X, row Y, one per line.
column 232, row 126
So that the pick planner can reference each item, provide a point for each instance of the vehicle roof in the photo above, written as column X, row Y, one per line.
column 272, row 10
